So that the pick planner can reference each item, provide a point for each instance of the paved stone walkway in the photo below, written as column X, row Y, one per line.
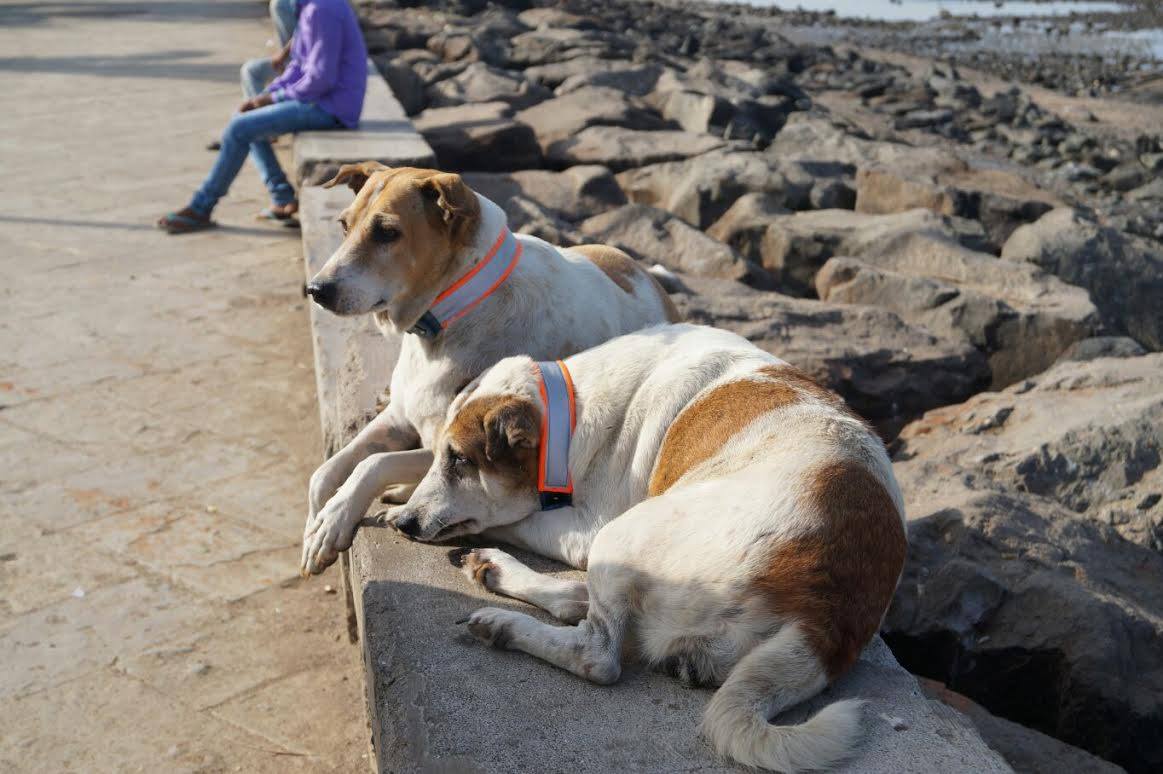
column 157, row 417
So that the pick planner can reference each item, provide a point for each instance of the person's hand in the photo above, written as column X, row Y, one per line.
column 262, row 100
column 279, row 60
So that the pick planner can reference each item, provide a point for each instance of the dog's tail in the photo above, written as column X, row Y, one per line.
column 777, row 674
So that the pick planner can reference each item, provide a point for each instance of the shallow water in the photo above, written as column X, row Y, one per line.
column 923, row 10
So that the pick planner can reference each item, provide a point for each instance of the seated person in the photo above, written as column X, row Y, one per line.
column 322, row 87
column 257, row 73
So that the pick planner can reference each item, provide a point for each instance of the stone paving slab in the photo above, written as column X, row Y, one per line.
column 157, row 417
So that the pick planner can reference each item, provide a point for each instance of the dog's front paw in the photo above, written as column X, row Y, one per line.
column 327, row 535
column 482, row 566
column 491, row 626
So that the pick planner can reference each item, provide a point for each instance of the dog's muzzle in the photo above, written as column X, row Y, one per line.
column 324, row 294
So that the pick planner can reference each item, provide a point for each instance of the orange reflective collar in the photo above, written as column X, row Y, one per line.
column 475, row 286
column 554, row 483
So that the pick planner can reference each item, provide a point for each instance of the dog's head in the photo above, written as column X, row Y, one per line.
column 485, row 469
column 402, row 233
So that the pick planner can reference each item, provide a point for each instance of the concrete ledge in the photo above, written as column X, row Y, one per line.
column 385, row 134
column 440, row 701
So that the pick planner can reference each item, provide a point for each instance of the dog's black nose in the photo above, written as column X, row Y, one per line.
column 408, row 523
column 323, row 293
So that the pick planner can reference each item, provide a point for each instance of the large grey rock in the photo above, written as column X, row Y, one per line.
column 575, row 194
column 554, row 74
column 635, row 79
column 1022, row 590
column 700, row 190
column 745, row 224
column 478, row 137
column 1085, row 434
column 1124, row 274
column 480, row 82
column 1026, row 750
column 1000, row 199
column 656, row 236
column 406, row 85
column 887, row 370
column 793, row 247
column 562, row 118
column 1021, row 317
column 812, row 138
column 556, row 44
column 619, row 148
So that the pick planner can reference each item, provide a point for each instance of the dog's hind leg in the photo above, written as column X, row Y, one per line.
column 591, row 650
column 497, row 571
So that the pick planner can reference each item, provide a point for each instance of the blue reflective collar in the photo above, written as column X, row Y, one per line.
column 463, row 295
column 553, row 481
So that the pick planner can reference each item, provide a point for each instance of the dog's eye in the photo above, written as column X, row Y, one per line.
column 385, row 234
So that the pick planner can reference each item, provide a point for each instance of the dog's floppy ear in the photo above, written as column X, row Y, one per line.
column 511, row 425
column 456, row 204
column 355, row 175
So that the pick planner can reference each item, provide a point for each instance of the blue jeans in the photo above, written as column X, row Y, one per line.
column 251, row 132
column 257, row 73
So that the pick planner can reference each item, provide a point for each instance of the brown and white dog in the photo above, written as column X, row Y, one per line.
column 739, row 526
column 435, row 263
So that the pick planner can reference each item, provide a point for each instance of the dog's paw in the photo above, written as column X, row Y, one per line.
column 326, row 536
column 482, row 566
column 491, row 626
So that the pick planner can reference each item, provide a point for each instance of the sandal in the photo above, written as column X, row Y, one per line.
column 180, row 223
column 277, row 213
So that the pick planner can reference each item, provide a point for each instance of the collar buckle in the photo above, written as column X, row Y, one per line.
column 427, row 327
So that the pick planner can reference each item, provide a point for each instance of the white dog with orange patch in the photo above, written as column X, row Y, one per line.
column 436, row 263
column 739, row 525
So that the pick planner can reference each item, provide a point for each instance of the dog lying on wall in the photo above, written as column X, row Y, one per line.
column 435, row 262
column 740, row 526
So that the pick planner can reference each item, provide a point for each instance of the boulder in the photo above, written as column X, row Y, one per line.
column 656, row 236
column 1102, row 346
column 575, row 194
column 1001, row 200
column 562, row 118
column 700, row 190
column 1034, row 582
column 745, row 224
column 557, row 44
column 554, row 74
column 887, row 370
column 406, row 85
column 631, row 78
column 619, row 148
column 1087, row 435
column 815, row 138
column 480, row 82
column 526, row 216
column 1021, row 317
column 795, row 246
column 478, row 137
column 1123, row 273
column 1026, row 750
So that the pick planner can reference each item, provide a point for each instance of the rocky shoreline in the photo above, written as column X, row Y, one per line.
column 979, row 276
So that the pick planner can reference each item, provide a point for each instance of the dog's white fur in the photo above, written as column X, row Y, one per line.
column 668, row 574
column 556, row 302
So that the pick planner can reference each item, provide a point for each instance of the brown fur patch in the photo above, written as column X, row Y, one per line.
column 806, row 384
column 837, row 582
column 704, row 426
column 622, row 269
column 434, row 212
column 499, row 434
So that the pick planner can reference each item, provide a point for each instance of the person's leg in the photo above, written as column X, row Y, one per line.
column 284, row 17
column 302, row 118
column 255, row 75
column 249, row 131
